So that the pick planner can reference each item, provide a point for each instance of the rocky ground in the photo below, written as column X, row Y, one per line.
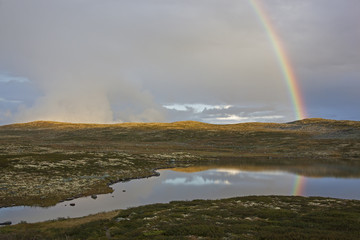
column 42, row 163
column 262, row 217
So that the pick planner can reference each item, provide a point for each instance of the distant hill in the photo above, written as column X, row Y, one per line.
column 304, row 122
column 54, row 161
column 323, row 128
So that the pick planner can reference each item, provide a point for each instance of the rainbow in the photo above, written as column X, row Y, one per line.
column 299, row 186
column 283, row 60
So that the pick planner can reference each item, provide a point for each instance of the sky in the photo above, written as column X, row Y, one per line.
column 107, row 61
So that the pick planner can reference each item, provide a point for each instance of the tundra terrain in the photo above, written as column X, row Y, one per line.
column 42, row 163
column 254, row 217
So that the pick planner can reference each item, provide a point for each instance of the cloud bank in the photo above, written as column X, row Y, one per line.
column 114, row 61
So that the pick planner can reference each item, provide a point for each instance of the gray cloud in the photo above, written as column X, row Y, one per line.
column 105, row 61
column 230, row 114
column 322, row 38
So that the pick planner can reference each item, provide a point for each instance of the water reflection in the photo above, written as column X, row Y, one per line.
column 196, row 181
column 307, row 170
column 206, row 182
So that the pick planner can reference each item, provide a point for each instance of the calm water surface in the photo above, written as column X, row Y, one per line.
column 180, row 185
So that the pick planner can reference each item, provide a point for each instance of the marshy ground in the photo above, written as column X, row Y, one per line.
column 42, row 163
column 262, row 217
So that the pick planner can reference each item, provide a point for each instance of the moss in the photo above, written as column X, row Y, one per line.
column 211, row 219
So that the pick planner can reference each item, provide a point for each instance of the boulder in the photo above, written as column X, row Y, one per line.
column 119, row 219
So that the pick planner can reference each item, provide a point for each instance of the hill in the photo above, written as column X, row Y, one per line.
column 42, row 162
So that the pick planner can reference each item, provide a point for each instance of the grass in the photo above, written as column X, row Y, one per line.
column 54, row 161
column 42, row 163
column 253, row 217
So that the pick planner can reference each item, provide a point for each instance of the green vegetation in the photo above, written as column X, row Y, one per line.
column 42, row 163
column 254, row 217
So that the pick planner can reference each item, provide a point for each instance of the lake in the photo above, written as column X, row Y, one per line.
column 207, row 182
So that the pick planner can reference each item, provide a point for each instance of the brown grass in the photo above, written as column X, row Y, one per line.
column 54, row 160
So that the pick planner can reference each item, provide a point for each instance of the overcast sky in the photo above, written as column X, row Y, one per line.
column 169, row 60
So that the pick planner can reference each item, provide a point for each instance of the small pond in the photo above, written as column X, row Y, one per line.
column 189, row 184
